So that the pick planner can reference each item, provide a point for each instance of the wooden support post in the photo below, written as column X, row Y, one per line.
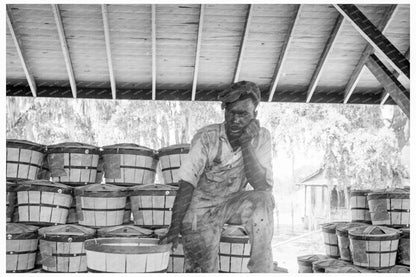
column 376, row 38
column 358, row 70
column 153, row 51
column 324, row 58
column 198, row 50
column 390, row 83
column 243, row 43
column 283, row 54
column 19, row 48
column 104, row 11
column 65, row 49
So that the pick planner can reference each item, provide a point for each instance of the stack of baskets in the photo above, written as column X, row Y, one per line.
column 84, row 200
column 376, row 240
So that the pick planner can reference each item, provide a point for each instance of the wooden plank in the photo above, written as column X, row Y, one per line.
column 283, row 54
column 65, row 50
column 243, row 43
column 397, row 75
column 356, row 74
column 376, row 38
column 153, row 52
column 104, row 12
column 17, row 42
column 390, row 83
column 198, row 51
column 324, row 57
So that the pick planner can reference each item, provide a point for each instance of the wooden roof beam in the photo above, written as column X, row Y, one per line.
column 19, row 48
column 243, row 43
column 153, row 51
column 198, row 50
column 390, row 83
column 283, row 54
column 396, row 74
column 324, row 57
column 358, row 70
column 376, row 38
column 104, row 12
column 65, row 49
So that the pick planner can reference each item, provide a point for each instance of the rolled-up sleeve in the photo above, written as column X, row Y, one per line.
column 194, row 164
column 264, row 154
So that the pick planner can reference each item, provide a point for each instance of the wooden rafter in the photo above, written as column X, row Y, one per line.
column 358, row 70
column 104, row 12
column 396, row 74
column 376, row 38
column 198, row 50
column 153, row 52
column 390, row 83
column 65, row 49
column 324, row 58
column 18, row 44
column 243, row 43
column 283, row 54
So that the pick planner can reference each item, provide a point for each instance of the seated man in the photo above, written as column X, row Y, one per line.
column 222, row 159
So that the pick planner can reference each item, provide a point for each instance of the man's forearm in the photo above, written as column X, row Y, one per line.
column 255, row 173
column 180, row 206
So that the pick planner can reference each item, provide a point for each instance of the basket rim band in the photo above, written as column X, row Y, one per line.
column 41, row 188
column 73, row 150
column 68, row 254
column 64, row 238
column 25, row 163
column 130, row 151
column 21, row 252
column 155, row 192
column 99, row 271
column 44, row 205
column 166, row 152
column 103, row 210
column 26, row 145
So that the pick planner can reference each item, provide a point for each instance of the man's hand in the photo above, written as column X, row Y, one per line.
column 250, row 131
column 170, row 238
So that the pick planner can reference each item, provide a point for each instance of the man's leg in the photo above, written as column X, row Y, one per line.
column 201, row 245
column 254, row 210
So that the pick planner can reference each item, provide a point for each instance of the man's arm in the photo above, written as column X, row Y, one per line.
column 180, row 206
column 255, row 172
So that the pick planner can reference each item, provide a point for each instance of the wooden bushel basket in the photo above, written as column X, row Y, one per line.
column 331, row 239
column 359, row 206
column 305, row 262
column 124, row 231
column 374, row 247
column 403, row 253
column 126, row 255
column 234, row 253
column 62, row 248
column 42, row 202
column 390, row 207
column 100, row 205
column 73, row 163
column 171, row 159
column 322, row 265
column 152, row 205
column 11, row 201
column 176, row 258
column 21, row 247
column 23, row 159
column 344, row 241
column 129, row 164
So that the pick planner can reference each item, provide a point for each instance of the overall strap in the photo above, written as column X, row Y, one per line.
column 217, row 159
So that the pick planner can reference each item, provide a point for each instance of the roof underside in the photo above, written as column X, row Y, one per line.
column 202, row 47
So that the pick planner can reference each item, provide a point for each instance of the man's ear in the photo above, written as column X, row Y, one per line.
column 255, row 113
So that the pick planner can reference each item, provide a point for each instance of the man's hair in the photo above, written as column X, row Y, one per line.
column 240, row 91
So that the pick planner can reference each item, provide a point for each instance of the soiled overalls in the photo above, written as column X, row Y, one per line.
column 219, row 197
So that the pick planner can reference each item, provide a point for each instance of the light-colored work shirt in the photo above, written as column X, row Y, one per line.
column 218, row 173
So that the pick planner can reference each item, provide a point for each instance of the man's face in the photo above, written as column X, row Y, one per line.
column 238, row 116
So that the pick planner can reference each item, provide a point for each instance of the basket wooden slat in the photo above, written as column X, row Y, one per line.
column 125, row 255
column 171, row 159
column 100, row 205
column 235, row 247
column 73, row 164
column 42, row 202
column 374, row 247
column 21, row 247
column 129, row 164
column 152, row 205
column 23, row 159
column 359, row 206
column 390, row 207
column 331, row 239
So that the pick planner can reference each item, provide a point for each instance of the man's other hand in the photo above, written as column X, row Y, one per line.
column 250, row 131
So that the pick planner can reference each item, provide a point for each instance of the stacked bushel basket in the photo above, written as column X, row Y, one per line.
column 377, row 240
